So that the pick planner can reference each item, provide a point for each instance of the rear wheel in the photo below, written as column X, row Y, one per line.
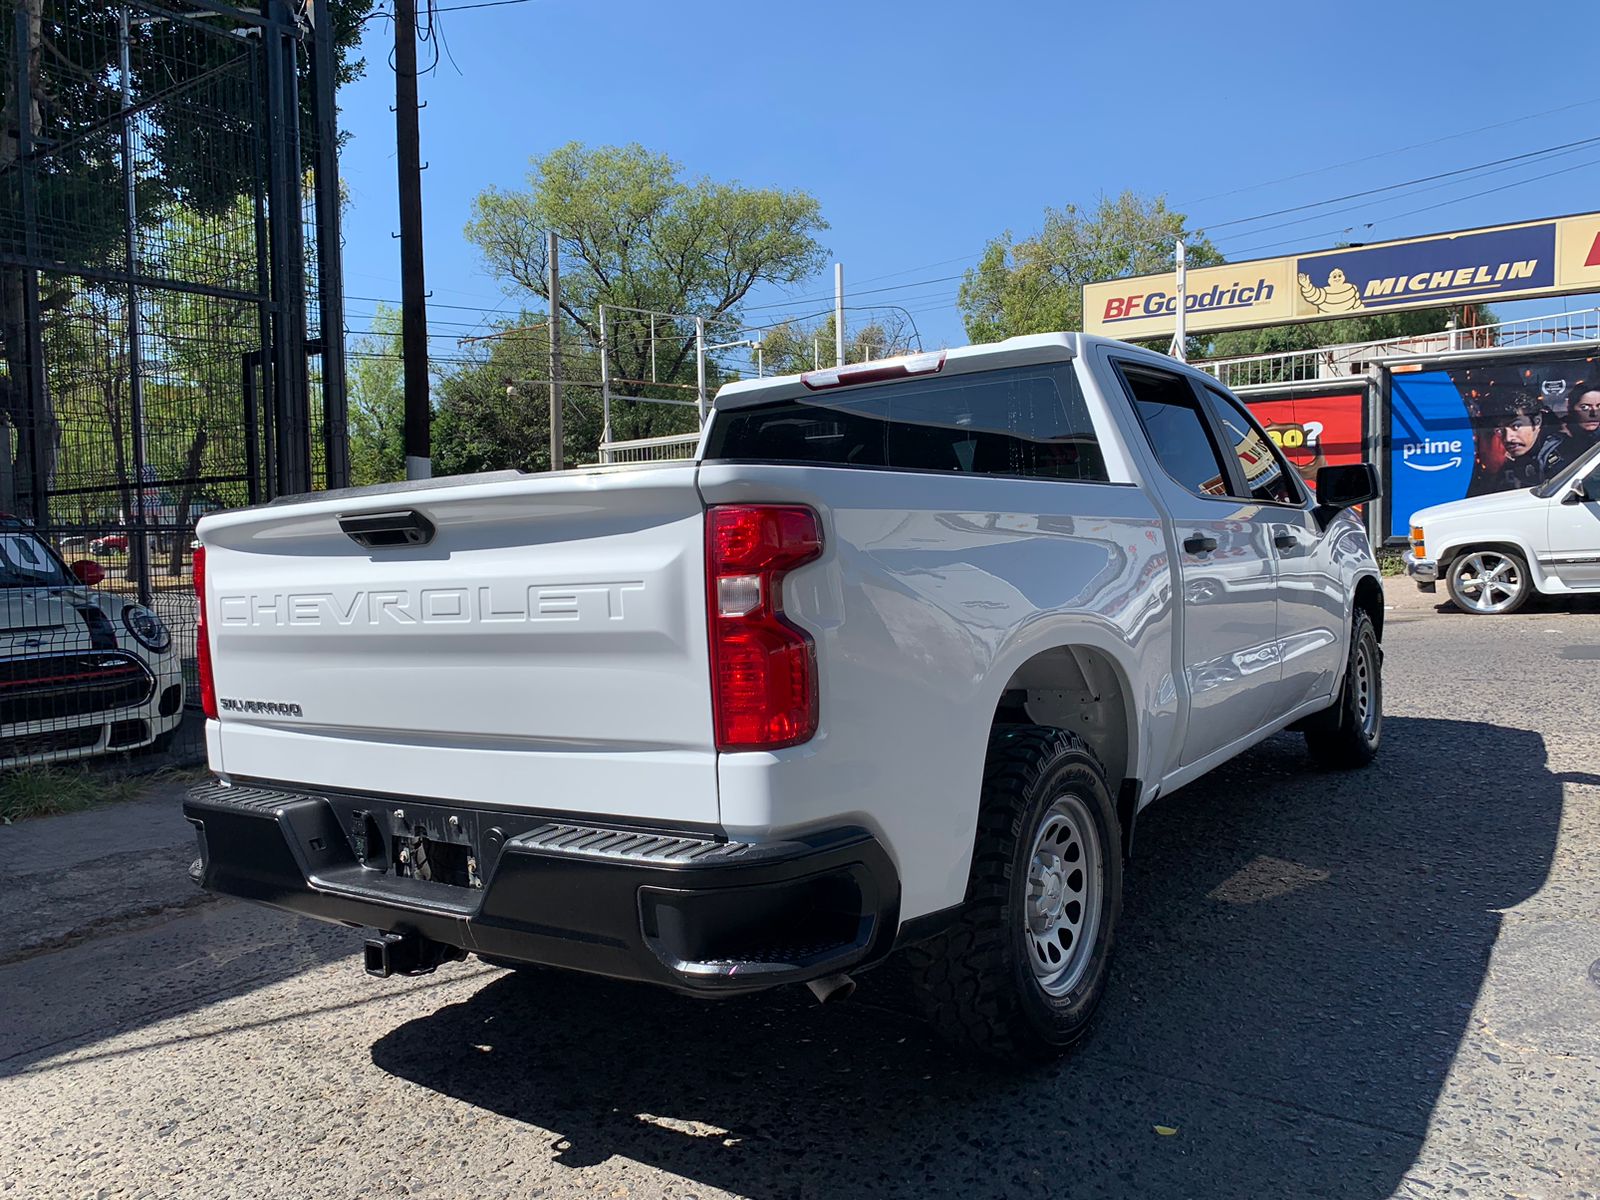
column 1020, row 975
column 1489, row 582
column 1347, row 735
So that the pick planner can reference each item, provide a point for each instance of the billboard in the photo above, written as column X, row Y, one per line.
column 1315, row 429
column 1553, row 257
column 1486, row 425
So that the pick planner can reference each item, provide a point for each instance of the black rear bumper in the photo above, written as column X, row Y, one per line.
column 685, row 910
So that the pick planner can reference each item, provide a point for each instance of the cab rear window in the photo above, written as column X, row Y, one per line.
column 1027, row 422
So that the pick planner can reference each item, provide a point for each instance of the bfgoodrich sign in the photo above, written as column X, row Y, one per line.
column 1554, row 257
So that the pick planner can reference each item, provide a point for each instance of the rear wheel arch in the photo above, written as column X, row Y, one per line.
column 1085, row 689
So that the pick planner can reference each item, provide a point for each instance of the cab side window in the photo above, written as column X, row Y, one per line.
column 1267, row 475
column 1178, row 431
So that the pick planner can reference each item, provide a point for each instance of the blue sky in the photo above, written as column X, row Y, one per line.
column 927, row 129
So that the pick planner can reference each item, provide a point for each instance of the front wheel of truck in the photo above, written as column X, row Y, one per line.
column 1347, row 735
column 1020, row 975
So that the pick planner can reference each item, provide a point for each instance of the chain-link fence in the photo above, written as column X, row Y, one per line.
column 161, row 200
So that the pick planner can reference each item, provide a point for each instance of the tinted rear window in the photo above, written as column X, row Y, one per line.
column 1022, row 421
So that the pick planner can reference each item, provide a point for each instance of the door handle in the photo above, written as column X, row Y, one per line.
column 1199, row 543
column 379, row 531
column 1285, row 541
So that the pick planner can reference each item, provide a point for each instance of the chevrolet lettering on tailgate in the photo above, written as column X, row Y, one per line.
column 487, row 605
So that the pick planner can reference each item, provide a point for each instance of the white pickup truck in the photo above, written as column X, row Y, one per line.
column 1495, row 552
column 893, row 664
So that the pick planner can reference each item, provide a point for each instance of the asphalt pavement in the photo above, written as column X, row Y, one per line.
column 1364, row 985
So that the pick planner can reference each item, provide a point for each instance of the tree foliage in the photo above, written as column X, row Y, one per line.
column 494, row 410
column 1035, row 284
column 634, row 233
column 376, row 401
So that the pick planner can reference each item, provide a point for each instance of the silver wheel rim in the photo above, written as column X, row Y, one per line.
column 1366, row 690
column 1487, row 582
column 1065, row 883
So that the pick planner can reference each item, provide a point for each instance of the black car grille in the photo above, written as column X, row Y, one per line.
column 52, row 741
column 51, row 687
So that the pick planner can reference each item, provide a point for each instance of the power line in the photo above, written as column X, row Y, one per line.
column 1443, row 203
column 1449, row 137
column 1525, row 157
column 1510, row 162
column 1515, row 158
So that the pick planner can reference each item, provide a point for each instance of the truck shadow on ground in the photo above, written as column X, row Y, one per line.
column 1299, row 960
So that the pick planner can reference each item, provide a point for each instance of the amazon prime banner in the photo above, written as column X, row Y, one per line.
column 1493, row 425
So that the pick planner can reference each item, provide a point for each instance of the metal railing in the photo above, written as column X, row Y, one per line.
column 672, row 447
column 1356, row 358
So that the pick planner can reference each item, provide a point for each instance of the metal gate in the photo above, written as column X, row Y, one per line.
column 168, row 201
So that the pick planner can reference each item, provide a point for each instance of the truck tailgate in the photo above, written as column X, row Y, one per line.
column 546, row 648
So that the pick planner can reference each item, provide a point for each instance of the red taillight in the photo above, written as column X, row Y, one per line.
column 202, row 639
column 763, row 669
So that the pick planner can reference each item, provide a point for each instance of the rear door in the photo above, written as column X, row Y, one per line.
column 545, row 647
column 1229, row 599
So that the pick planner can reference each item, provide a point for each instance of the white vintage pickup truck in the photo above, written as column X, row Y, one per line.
column 892, row 665
column 1496, row 552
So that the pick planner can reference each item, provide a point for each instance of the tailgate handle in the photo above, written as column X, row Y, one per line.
column 385, row 530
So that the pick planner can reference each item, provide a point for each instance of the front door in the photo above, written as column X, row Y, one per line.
column 1313, row 600
column 1575, row 533
column 1229, row 603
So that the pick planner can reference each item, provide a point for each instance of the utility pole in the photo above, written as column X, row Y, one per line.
column 556, row 441
column 700, row 368
column 330, row 265
column 605, row 392
column 1180, row 338
column 413, row 294
column 838, row 314
column 137, row 518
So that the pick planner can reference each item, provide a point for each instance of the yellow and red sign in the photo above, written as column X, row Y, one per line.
column 1554, row 257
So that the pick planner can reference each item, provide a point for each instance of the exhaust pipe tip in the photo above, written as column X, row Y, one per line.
column 830, row 989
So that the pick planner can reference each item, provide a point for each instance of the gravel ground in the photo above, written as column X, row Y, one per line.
column 1336, row 985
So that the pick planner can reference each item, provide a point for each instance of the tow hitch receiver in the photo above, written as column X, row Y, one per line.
column 407, row 954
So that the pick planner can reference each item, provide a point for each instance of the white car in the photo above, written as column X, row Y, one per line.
column 1493, row 552
column 81, row 672
column 892, row 666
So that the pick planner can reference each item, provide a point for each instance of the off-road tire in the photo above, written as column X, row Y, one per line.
column 1347, row 735
column 975, row 982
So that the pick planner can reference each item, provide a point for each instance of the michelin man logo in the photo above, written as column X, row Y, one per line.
column 1340, row 296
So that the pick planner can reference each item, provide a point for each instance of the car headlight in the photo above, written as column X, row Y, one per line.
column 146, row 627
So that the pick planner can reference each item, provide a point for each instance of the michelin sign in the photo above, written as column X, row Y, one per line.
column 1538, row 258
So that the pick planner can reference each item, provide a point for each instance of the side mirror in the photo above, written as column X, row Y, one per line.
column 1346, row 486
column 1582, row 490
column 89, row 572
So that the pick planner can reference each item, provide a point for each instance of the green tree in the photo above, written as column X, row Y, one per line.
column 377, row 402
column 493, row 410
column 1035, row 285
column 634, row 233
